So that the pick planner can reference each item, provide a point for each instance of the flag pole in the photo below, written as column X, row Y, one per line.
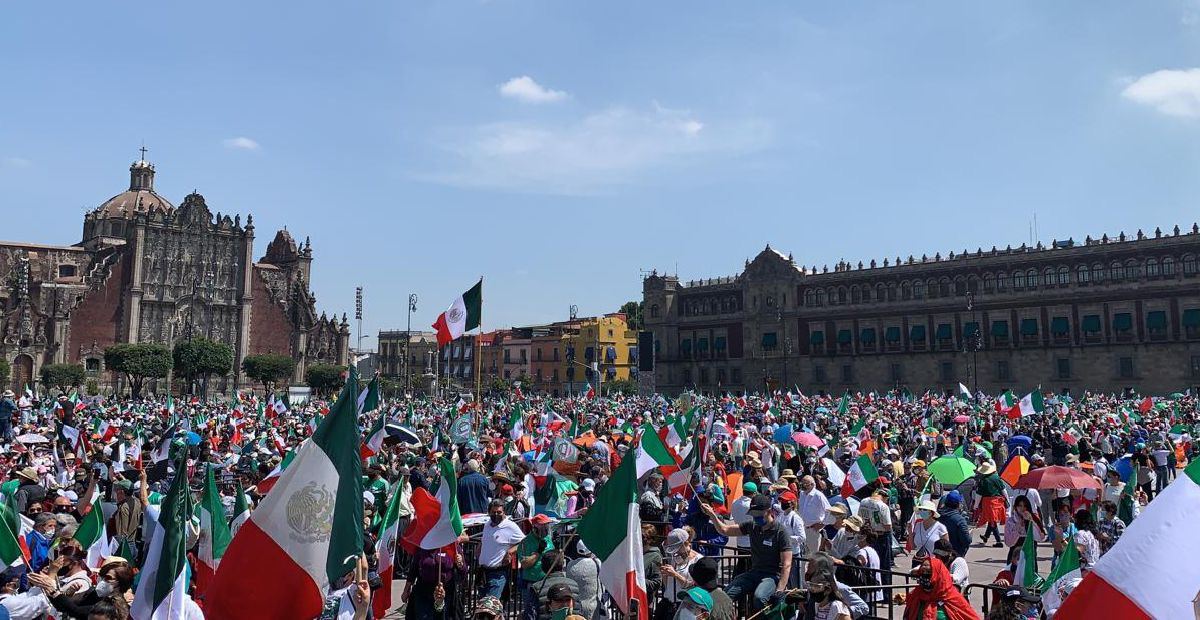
column 478, row 351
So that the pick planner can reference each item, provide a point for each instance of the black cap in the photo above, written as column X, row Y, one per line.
column 704, row 573
column 760, row 502
column 1018, row 593
column 560, row 592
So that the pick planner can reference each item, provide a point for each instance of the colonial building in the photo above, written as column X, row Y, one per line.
column 403, row 352
column 1106, row 314
column 148, row 271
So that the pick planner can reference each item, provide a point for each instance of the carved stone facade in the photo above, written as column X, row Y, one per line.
column 146, row 271
column 1106, row 314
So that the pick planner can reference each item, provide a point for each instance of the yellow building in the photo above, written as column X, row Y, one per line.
column 607, row 338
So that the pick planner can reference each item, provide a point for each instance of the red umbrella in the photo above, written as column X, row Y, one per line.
column 808, row 439
column 1057, row 477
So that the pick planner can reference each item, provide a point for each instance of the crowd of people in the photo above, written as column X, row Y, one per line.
column 779, row 505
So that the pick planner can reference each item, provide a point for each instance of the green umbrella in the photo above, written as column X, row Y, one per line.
column 951, row 470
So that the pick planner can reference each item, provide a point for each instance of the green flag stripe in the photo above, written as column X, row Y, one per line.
column 338, row 438
column 176, row 512
column 606, row 523
column 1193, row 471
column 473, row 301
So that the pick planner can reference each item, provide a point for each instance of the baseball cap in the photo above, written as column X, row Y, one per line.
column 699, row 596
column 1019, row 593
column 560, row 592
column 760, row 502
column 750, row 487
column 675, row 540
column 489, row 607
column 953, row 498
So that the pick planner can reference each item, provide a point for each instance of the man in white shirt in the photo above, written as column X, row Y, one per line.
column 793, row 524
column 497, row 548
column 877, row 515
column 813, row 507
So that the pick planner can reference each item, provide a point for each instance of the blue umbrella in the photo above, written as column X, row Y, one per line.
column 1124, row 466
column 822, row 409
column 783, row 434
column 192, row 439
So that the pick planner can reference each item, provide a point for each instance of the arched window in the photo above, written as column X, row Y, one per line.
column 1133, row 270
column 989, row 283
column 944, row 287
column 820, row 297
column 973, row 284
column 1031, row 278
column 810, row 298
column 1098, row 273
column 1001, row 282
column 1152, row 269
column 841, row 294
column 960, row 286
column 1115, row 271
column 905, row 291
column 1018, row 279
column 1190, row 266
column 1064, row 275
column 1049, row 277
column 918, row 289
column 891, row 291
column 1082, row 274
column 654, row 311
column 1168, row 267
column 855, row 295
column 931, row 289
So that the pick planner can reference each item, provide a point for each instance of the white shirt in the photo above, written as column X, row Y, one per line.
column 27, row 605
column 496, row 541
column 876, row 514
column 924, row 539
column 794, row 526
column 812, row 506
column 836, row 609
column 960, row 572
column 740, row 512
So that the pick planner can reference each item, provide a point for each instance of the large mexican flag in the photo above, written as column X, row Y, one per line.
column 163, row 582
column 385, row 550
column 436, row 520
column 461, row 317
column 214, row 533
column 306, row 533
column 612, row 530
column 1152, row 571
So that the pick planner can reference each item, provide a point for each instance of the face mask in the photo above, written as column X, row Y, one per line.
column 760, row 520
column 104, row 588
column 495, row 519
column 924, row 514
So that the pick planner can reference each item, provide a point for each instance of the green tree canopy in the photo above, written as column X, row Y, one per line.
column 324, row 379
column 62, row 376
column 633, row 313
column 269, row 368
column 198, row 359
column 138, row 362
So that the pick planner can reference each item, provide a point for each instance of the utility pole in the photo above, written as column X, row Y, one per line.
column 358, row 308
column 412, row 307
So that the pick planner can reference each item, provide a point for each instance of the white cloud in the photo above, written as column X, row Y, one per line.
column 525, row 89
column 1174, row 92
column 590, row 154
column 14, row 162
column 241, row 143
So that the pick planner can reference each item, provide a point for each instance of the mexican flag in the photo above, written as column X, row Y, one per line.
column 652, row 453
column 241, row 511
column 436, row 521
column 162, row 593
column 861, row 473
column 1005, row 402
column 374, row 441
column 611, row 529
column 461, row 317
column 369, row 399
column 1152, row 571
column 516, row 424
column 385, row 550
column 1031, row 404
column 1026, row 573
column 92, row 533
column 1064, row 576
column 962, row 389
column 214, row 533
column 306, row 533
column 844, row 405
column 14, row 551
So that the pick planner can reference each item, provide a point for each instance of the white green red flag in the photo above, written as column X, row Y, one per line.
column 861, row 473
column 436, row 521
column 1005, row 402
column 163, row 581
column 652, row 453
column 368, row 400
column 214, row 533
column 1026, row 573
column 1062, row 579
column 1032, row 403
column 92, row 533
column 374, row 441
column 461, row 317
column 14, row 551
column 241, row 511
column 612, row 530
column 1151, row 572
column 516, row 423
column 305, row 534
column 385, row 550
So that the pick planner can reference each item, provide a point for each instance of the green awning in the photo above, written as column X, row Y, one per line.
column 1091, row 323
column 702, row 344
column 970, row 329
column 817, row 338
column 1156, row 319
column 868, row 335
column 1029, row 327
column 892, row 334
column 1059, row 325
column 1191, row 317
column 944, row 332
column 685, row 346
column 917, row 333
column 1000, row 329
column 1122, row 321
column 844, row 336
column 719, row 343
column 769, row 340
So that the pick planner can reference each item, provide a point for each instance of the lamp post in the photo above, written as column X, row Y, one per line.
column 974, row 343
column 412, row 307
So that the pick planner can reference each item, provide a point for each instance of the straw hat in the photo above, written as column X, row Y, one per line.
column 930, row 506
column 787, row 475
column 986, row 469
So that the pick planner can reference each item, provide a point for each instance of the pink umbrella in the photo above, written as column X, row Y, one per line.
column 808, row 439
column 961, row 419
column 1057, row 477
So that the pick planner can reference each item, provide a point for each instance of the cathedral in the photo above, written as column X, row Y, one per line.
column 149, row 271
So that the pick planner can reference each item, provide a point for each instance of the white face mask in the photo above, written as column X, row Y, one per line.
column 104, row 588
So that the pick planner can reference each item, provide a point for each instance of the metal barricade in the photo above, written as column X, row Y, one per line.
column 986, row 592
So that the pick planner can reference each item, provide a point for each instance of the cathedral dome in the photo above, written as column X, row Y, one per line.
column 139, row 198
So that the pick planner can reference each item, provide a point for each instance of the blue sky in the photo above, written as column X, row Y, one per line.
column 557, row 148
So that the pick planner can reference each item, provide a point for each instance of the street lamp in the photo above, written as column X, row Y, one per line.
column 412, row 307
column 974, row 343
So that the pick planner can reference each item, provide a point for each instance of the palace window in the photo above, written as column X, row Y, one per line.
column 1000, row 333
column 1168, row 267
column 1190, row 266
column 819, row 373
column 891, row 338
column 945, row 336
column 1156, row 324
column 1152, row 268
column 947, row 371
column 817, row 341
column 867, row 339
column 1018, row 279
column 1003, row 371
column 1064, row 275
column 1032, row 279
column 1133, row 270
column 1001, row 282
column 847, row 373
column 1083, row 275
column 1064, row 367
column 918, row 290
column 1060, row 330
column 1091, row 328
column 1125, row 367
column 845, row 340
column 654, row 311
column 1029, row 331
column 1191, row 323
column 916, row 337
column 66, row 271
column 1123, row 326
column 1115, row 271
column 770, row 341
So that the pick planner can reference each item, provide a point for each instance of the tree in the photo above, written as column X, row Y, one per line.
column 624, row 387
column 138, row 362
column 5, row 370
column 198, row 359
column 62, row 376
column 324, row 378
column 633, row 314
column 269, row 368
